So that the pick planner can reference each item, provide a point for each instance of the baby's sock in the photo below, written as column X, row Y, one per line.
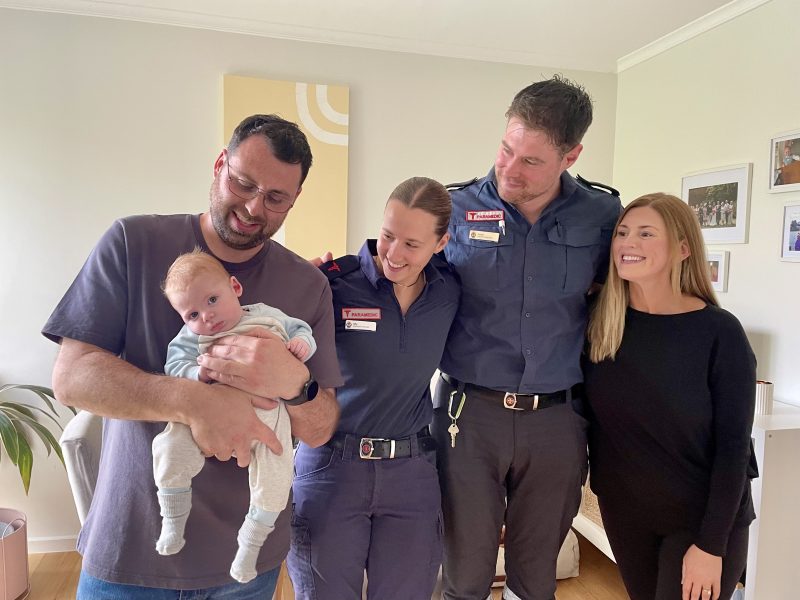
column 175, row 507
column 258, row 524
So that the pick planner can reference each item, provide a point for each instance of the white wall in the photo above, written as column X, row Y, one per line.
column 713, row 101
column 102, row 118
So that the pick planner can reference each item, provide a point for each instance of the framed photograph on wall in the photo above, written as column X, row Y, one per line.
column 784, row 162
column 718, row 269
column 720, row 198
column 790, row 247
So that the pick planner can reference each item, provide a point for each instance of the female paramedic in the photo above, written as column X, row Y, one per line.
column 369, row 499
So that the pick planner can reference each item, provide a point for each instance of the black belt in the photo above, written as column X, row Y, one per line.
column 515, row 401
column 370, row 448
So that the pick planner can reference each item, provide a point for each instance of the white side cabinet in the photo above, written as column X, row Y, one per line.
column 773, row 561
column 773, row 557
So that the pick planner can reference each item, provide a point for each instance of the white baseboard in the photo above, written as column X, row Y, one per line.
column 40, row 545
column 594, row 533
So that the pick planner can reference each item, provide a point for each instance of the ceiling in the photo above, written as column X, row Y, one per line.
column 588, row 35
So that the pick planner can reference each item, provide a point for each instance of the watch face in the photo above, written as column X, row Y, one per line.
column 309, row 392
column 311, row 389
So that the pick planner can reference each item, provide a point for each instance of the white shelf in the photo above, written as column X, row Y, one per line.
column 772, row 565
column 594, row 533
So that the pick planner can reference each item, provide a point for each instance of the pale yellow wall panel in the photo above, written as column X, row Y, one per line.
column 318, row 221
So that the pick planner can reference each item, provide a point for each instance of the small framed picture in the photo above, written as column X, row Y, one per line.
column 784, row 163
column 718, row 269
column 720, row 198
column 790, row 248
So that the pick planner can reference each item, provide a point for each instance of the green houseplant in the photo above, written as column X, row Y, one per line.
column 18, row 420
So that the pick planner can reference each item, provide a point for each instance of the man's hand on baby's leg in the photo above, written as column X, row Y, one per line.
column 204, row 376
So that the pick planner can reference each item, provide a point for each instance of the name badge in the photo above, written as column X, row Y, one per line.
column 484, row 236
column 485, row 215
column 363, row 314
column 361, row 325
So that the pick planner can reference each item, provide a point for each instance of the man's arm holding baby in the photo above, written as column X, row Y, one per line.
column 221, row 417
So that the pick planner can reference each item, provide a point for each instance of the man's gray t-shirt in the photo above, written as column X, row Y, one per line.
column 116, row 303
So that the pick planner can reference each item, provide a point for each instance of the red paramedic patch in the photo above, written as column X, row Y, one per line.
column 362, row 314
column 485, row 215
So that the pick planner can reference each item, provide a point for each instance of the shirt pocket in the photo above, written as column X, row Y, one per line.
column 580, row 250
column 481, row 261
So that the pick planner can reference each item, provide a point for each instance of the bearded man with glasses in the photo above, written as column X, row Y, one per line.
column 114, row 326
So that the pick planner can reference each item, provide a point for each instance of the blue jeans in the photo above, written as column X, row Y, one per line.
column 260, row 588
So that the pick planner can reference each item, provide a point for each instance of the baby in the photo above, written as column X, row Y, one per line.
column 207, row 298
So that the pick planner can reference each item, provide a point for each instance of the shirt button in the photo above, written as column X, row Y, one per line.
column 529, row 278
column 528, row 351
column 527, row 314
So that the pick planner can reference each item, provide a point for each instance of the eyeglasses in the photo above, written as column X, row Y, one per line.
column 246, row 190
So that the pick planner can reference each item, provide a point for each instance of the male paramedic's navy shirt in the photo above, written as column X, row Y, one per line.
column 523, row 313
column 386, row 359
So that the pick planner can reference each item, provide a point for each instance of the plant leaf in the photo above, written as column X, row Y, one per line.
column 24, row 459
column 27, row 409
column 9, row 437
column 23, row 408
column 26, row 386
column 15, row 417
column 45, row 393
column 43, row 432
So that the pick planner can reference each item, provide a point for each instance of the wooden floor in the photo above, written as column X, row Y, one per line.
column 598, row 580
column 55, row 577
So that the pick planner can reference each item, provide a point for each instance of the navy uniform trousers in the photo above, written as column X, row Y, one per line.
column 351, row 514
column 524, row 469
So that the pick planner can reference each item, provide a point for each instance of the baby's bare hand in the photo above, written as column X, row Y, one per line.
column 299, row 347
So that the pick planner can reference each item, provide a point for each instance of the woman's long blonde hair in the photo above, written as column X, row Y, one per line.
column 689, row 276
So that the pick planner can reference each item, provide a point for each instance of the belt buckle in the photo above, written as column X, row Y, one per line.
column 510, row 401
column 367, row 446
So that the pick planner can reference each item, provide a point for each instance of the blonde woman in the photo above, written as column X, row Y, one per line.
column 670, row 380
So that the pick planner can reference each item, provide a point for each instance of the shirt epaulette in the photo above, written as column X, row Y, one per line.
column 340, row 266
column 439, row 261
column 597, row 186
column 458, row 186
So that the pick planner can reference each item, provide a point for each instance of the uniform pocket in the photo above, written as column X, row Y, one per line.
column 430, row 458
column 477, row 253
column 309, row 462
column 437, row 548
column 299, row 559
column 581, row 250
column 581, row 428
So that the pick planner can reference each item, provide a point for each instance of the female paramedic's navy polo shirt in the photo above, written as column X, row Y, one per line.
column 387, row 359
